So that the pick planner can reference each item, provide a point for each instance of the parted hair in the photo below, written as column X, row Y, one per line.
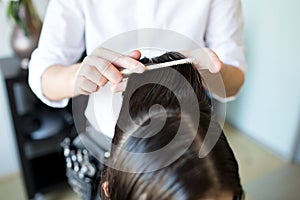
column 188, row 176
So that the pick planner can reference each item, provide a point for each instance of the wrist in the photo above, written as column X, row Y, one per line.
column 71, row 79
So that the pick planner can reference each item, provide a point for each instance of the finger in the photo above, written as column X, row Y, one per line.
column 91, row 73
column 215, row 64
column 119, row 87
column 205, row 58
column 120, row 60
column 110, row 73
column 102, row 81
column 129, row 63
column 136, row 54
column 186, row 53
column 105, row 68
column 88, row 86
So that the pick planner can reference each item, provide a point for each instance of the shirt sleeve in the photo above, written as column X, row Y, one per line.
column 224, row 34
column 61, row 42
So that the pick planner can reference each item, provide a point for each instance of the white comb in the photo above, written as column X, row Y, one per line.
column 127, row 72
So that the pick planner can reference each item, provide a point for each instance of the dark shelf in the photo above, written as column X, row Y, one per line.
column 48, row 170
column 39, row 130
column 36, row 148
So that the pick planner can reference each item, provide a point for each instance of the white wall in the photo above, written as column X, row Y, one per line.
column 8, row 150
column 268, row 107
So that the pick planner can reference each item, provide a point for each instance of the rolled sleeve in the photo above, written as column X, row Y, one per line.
column 224, row 33
column 61, row 42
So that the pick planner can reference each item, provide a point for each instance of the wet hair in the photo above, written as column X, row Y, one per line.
column 143, row 127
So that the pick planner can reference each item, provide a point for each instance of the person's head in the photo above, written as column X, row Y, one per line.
column 178, row 173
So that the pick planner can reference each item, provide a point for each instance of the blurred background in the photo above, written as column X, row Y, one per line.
column 262, row 125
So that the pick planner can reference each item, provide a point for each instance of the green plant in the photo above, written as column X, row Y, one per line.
column 21, row 12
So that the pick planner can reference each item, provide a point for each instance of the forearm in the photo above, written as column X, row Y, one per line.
column 233, row 79
column 58, row 81
column 226, row 83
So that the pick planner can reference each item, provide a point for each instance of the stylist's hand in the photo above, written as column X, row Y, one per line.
column 205, row 59
column 101, row 67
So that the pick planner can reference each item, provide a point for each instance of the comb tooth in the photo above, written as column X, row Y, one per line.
column 171, row 63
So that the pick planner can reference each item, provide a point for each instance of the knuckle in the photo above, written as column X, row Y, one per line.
column 102, row 81
column 95, row 88
column 84, row 81
column 103, row 65
column 135, row 64
column 101, row 84
column 119, row 77
column 116, row 79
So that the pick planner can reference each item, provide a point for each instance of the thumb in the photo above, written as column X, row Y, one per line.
column 136, row 54
column 214, row 63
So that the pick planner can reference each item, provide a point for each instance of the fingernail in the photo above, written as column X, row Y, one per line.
column 216, row 66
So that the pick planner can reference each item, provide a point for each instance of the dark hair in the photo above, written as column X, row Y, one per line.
column 139, row 130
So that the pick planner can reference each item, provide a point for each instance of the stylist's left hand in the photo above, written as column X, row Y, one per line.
column 121, row 86
column 102, row 66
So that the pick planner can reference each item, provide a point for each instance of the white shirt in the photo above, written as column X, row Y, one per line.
column 72, row 26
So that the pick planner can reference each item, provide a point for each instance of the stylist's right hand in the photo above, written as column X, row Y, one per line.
column 101, row 67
